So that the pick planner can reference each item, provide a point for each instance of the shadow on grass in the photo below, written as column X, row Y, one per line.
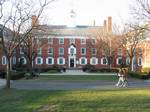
column 124, row 100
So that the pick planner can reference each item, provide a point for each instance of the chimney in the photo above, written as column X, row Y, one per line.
column 94, row 23
column 109, row 24
column 105, row 25
column 35, row 21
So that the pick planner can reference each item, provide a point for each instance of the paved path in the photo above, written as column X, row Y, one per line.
column 2, row 83
column 73, row 85
column 77, row 72
column 76, row 85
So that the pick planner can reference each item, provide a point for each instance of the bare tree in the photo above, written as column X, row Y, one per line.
column 105, row 45
column 31, row 47
column 141, row 12
column 129, row 41
column 18, row 19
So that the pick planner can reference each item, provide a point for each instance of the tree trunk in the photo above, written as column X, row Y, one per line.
column 132, row 65
column 8, row 73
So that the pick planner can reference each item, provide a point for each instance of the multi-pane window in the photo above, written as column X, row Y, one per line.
column 83, row 51
column 61, row 40
column 93, row 61
column 83, row 41
column 50, row 40
column 39, row 51
column 93, row 51
column 39, row 60
column 72, row 50
column 104, row 61
column 127, row 61
column 93, row 40
column 72, row 40
column 4, row 61
column 120, row 52
column 22, row 60
column 119, row 60
column 14, row 60
column 61, row 51
column 50, row 60
column 61, row 61
column 140, row 61
column 83, row 61
column 50, row 50
column 21, row 50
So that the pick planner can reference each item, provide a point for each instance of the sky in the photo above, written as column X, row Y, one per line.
column 87, row 11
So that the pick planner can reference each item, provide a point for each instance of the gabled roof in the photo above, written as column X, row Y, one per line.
column 67, row 31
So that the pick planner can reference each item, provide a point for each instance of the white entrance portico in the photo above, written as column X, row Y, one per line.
column 72, row 56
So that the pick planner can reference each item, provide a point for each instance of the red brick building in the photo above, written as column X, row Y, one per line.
column 71, row 47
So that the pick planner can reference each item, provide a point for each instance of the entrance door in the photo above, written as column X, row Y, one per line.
column 71, row 62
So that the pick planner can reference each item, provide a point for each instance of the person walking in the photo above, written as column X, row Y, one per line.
column 125, row 76
column 121, row 78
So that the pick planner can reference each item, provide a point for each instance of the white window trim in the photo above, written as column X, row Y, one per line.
column 59, row 59
column 94, row 40
column 84, row 40
column 127, row 60
column 81, row 51
column 138, row 61
column 95, row 51
column 37, row 61
column 4, row 60
column 60, row 41
column 14, row 60
column 21, row 49
column 48, row 59
column 70, row 40
column 59, row 51
column 118, row 60
column 50, row 42
column 120, row 53
column 25, row 61
column 40, row 51
column 81, row 61
column 48, row 50
column 102, row 61
column 96, row 60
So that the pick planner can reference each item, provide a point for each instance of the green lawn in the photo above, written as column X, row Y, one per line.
column 119, row 100
column 76, row 78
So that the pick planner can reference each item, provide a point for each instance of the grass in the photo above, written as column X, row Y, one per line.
column 119, row 100
column 76, row 78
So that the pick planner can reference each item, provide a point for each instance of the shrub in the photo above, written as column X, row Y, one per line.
column 88, row 68
column 2, row 73
column 105, row 70
column 139, row 75
column 52, row 71
column 16, row 75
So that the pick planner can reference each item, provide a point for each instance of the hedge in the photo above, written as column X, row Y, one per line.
column 139, row 75
column 14, row 75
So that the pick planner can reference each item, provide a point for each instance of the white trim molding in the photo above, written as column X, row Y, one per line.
column 85, row 60
column 93, row 61
column 41, row 60
column 47, row 60
column 4, row 60
column 118, row 60
column 63, row 60
column 104, row 59
column 24, row 60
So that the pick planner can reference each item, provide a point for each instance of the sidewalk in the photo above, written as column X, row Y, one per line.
column 77, row 72
column 2, row 83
